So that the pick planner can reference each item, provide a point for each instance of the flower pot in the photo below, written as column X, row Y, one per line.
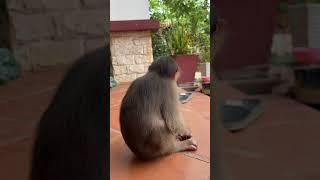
column 205, row 79
column 188, row 66
column 307, row 56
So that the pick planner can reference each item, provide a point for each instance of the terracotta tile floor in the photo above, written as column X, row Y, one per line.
column 283, row 143
column 21, row 105
column 182, row 166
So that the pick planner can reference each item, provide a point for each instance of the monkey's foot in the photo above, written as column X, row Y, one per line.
column 184, row 137
column 189, row 145
column 185, row 134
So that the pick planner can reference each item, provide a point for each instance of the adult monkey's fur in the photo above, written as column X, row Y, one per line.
column 220, row 170
column 71, row 138
column 150, row 119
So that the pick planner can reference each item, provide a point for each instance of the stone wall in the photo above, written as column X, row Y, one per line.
column 53, row 32
column 131, row 54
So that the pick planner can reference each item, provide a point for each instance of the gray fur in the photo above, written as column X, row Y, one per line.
column 150, row 119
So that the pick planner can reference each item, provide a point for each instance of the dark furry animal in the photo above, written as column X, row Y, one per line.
column 150, row 120
column 71, row 138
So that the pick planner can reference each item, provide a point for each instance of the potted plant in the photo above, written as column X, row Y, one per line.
column 179, row 42
column 282, row 17
column 304, row 21
column 184, row 33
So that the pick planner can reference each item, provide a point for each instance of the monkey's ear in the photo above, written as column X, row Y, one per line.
column 176, row 76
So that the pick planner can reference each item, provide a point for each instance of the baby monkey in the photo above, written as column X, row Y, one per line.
column 150, row 119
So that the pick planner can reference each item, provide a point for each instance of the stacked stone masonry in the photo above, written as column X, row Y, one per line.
column 131, row 54
column 53, row 32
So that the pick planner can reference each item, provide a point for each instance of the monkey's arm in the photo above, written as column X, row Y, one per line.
column 172, row 116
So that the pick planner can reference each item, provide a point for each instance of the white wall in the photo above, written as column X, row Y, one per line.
column 129, row 10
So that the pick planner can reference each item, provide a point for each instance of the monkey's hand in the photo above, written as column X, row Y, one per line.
column 184, row 134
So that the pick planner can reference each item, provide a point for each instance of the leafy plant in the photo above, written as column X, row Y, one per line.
column 313, row 1
column 178, row 40
column 159, row 44
column 305, row 1
column 188, row 31
column 282, row 7
column 283, row 59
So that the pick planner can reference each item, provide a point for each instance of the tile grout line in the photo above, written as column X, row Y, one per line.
column 15, row 140
column 197, row 157
column 116, row 131
column 280, row 124
column 26, row 96
column 193, row 156
column 243, row 153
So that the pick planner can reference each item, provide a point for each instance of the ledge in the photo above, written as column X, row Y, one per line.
column 134, row 25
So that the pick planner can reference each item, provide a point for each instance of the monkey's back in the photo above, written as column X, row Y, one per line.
column 140, row 110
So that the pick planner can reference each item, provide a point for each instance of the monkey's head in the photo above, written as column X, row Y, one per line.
column 165, row 67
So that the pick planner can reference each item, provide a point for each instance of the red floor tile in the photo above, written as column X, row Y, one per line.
column 32, row 84
column 281, row 144
column 15, row 160
column 191, row 166
column 22, row 103
column 123, row 165
column 201, row 132
column 27, row 108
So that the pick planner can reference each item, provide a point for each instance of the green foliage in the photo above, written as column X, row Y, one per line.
column 159, row 44
column 313, row 1
column 189, row 30
column 282, row 7
column 306, row 1
column 283, row 59
column 178, row 39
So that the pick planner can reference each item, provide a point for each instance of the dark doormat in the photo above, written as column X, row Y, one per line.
column 238, row 114
column 189, row 86
column 315, row 106
column 185, row 97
